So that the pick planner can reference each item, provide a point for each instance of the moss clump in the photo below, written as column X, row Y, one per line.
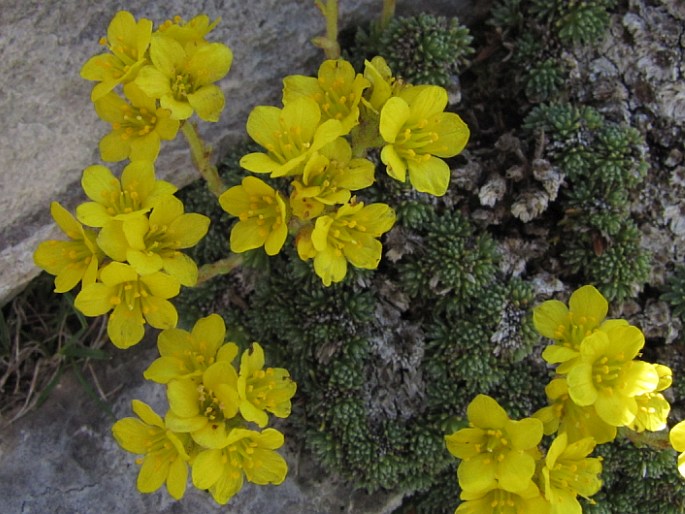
column 604, row 164
column 674, row 292
column 638, row 481
column 421, row 49
column 452, row 259
column 426, row 49
column 544, row 80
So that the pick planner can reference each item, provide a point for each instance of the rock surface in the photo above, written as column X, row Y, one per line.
column 63, row 459
column 51, row 130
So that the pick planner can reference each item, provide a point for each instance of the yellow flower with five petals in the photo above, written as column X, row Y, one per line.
column 165, row 459
column 418, row 134
column 247, row 454
column 186, row 354
column 183, row 77
column 72, row 261
column 134, row 300
column 347, row 235
column 128, row 42
column 289, row 135
column 337, row 89
column 263, row 390
column 496, row 451
column 262, row 216
column 328, row 179
column 138, row 126
column 113, row 199
column 206, row 408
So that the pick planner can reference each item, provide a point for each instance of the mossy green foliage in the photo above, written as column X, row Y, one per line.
column 638, row 480
column 537, row 31
column 674, row 292
column 421, row 49
column 604, row 164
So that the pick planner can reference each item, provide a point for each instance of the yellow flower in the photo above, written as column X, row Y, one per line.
column 653, row 408
column 379, row 75
column 328, row 178
column 337, row 90
column 564, row 416
column 183, row 78
column 128, row 41
column 290, row 135
column 607, row 377
column 188, row 354
column 677, row 438
column 569, row 473
column 348, row 235
column 417, row 134
column 496, row 452
column 568, row 326
column 71, row 261
column 263, row 390
column 262, row 216
column 135, row 300
column 192, row 31
column 138, row 126
column 165, row 457
column 247, row 453
column 153, row 244
column 206, row 409
column 496, row 500
column 134, row 195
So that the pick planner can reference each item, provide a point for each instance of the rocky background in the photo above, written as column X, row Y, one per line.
column 510, row 214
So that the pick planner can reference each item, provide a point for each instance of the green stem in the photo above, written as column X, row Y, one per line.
column 388, row 12
column 201, row 154
column 220, row 267
column 329, row 43
column 658, row 440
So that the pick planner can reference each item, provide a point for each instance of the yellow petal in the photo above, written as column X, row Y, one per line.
column 183, row 398
column 182, row 268
column 94, row 300
column 187, row 230
column 132, row 435
column 588, row 302
column 581, row 386
column 210, row 63
column 549, row 316
column 396, row 167
column 210, row 333
column 207, row 468
column 208, row 102
column 177, row 478
column 430, row 176
column 485, row 412
column 677, row 437
column 159, row 313
column 153, row 473
column 394, row 115
column 125, row 327
column 145, row 412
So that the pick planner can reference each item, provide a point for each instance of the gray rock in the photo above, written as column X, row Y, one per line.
column 62, row 458
column 51, row 130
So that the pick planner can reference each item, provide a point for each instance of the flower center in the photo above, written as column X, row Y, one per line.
column 136, row 122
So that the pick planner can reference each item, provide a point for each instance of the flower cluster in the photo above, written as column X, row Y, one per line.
column 210, row 407
column 502, row 469
column 600, row 384
column 128, row 259
column 319, row 140
column 165, row 77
